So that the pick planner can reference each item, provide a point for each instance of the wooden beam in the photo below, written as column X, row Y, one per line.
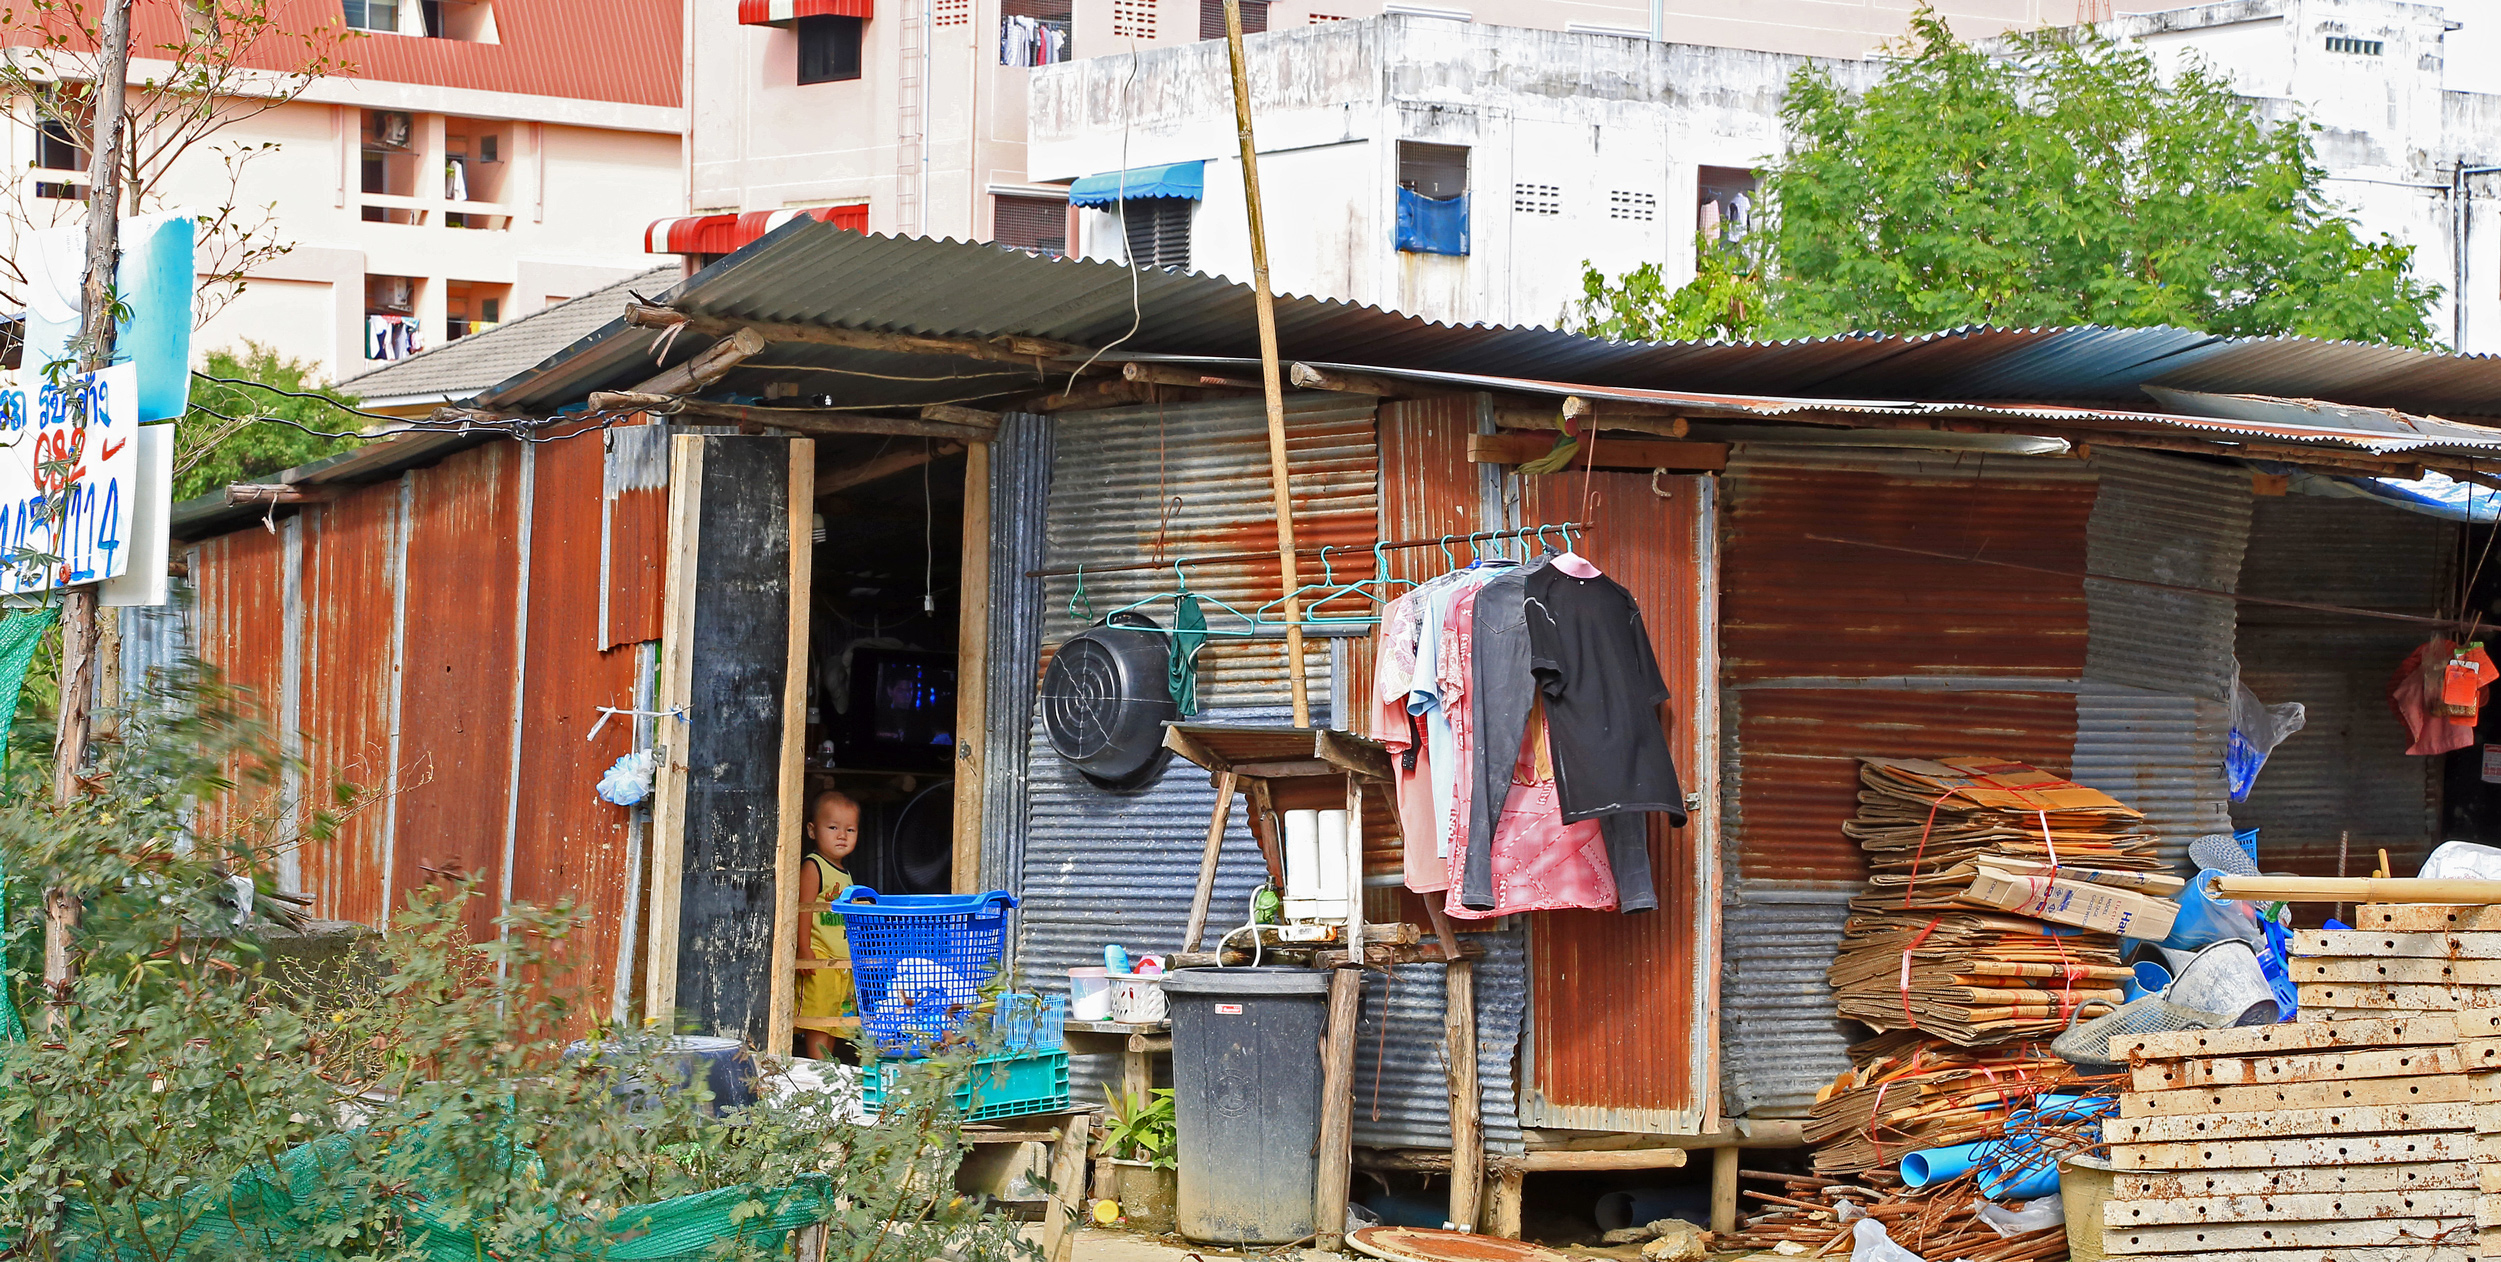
column 1467, row 1118
column 787, row 918
column 1204, row 897
column 970, row 418
column 972, row 672
column 1176, row 375
column 1021, row 351
column 1344, row 382
column 1724, row 1190
column 1502, row 1204
column 1108, row 393
column 1286, row 769
column 1613, row 453
column 256, row 494
column 709, row 365
column 825, row 422
column 1337, row 1106
column 1264, row 827
column 668, row 801
column 885, row 466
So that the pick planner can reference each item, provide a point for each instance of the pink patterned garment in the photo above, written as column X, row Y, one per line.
column 1540, row 862
column 1394, row 659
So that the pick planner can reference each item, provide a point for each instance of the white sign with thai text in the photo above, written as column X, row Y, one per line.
column 68, row 478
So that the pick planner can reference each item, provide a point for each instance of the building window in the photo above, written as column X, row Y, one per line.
column 1432, row 198
column 1030, row 223
column 1211, row 18
column 1726, row 197
column 2358, row 47
column 1034, row 32
column 57, row 149
column 829, row 49
column 1158, row 229
column 371, row 15
column 1133, row 19
column 390, row 317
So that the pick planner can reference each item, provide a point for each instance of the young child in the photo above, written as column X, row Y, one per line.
column 832, row 833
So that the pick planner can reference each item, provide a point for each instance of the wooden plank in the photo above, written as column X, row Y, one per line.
column 787, row 918
column 2296, row 1180
column 885, row 466
column 1337, row 1108
column 2310, row 943
column 2429, row 1089
column 2262, row 1040
column 2383, row 998
column 2482, row 1055
column 1467, row 1116
column 2251, row 1154
column 2397, row 1253
column 668, row 806
column 1066, row 1207
column 2395, row 1062
column 1265, row 828
column 1204, row 896
column 972, row 674
column 1724, row 1163
column 2398, row 971
column 2298, row 1207
column 2204, row 1239
column 2426, row 918
column 1613, row 453
column 1503, row 1204
column 2369, row 1119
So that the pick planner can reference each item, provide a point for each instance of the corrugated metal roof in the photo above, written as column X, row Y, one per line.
column 460, row 368
column 813, row 273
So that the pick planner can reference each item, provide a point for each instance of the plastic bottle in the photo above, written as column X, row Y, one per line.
column 1116, row 959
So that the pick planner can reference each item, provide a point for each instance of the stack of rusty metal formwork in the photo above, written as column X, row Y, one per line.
column 2335, row 1140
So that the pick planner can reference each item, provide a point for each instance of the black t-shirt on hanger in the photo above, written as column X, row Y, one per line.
column 1591, row 655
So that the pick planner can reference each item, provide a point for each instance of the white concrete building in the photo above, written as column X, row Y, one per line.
column 476, row 161
column 1618, row 150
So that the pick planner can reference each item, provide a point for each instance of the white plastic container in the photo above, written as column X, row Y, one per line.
column 1138, row 998
column 1333, row 842
column 1089, row 994
column 1303, row 873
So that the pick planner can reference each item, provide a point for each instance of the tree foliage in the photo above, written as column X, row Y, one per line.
column 236, row 433
column 2065, row 183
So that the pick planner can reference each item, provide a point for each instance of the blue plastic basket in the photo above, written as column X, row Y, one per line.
column 999, row 1086
column 920, row 962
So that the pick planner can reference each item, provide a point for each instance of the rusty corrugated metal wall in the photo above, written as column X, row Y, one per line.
column 437, row 639
column 1834, row 650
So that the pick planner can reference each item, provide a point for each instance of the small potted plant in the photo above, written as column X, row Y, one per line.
column 1142, row 1146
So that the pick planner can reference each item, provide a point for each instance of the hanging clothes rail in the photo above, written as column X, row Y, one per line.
column 1530, row 533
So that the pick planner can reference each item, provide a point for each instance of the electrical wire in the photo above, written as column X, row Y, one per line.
column 518, row 430
column 884, row 376
column 1137, row 316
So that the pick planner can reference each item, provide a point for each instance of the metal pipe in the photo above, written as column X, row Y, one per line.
column 1270, row 380
column 1525, row 532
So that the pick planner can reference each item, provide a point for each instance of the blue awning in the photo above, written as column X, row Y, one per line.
column 1173, row 179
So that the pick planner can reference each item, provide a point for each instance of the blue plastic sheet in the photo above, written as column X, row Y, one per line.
column 1426, row 226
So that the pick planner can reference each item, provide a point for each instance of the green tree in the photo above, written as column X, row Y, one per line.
column 237, row 433
column 2063, row 183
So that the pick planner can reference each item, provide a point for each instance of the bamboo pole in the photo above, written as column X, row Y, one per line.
column 2354, row 889
column 1270, row 380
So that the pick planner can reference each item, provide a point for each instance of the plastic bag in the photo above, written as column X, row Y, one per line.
column 628, row 780
column 2203, row 921
column 2257, row 729
column 2462, row 861
column 1870, row 1243
column 2275, row 959
column 2010, row 1220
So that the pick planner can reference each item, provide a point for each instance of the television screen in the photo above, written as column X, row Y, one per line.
column 902, row 712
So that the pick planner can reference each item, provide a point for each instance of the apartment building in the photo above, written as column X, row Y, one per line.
column 472, row 162
column 912, row 116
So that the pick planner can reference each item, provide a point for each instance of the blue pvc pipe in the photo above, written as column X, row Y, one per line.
column 2151, row 978
column 1936, row 1165
column 2027, row 1184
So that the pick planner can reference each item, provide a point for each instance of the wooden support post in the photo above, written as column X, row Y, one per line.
column 668, row 799
column 1724, row 1189
column 1502, row 1202
column 1206, row 894
column 1137, row 1069
column 1067, row 1204
column 1467, row 1118
column 972, row 673
column 1337, row 1109
column 788, row 919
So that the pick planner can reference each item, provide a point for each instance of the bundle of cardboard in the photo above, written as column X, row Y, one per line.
column 1998, row 898
column 1907, row 1092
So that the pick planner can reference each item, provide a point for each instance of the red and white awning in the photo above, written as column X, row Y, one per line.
column 784, row 12
column 724, row 234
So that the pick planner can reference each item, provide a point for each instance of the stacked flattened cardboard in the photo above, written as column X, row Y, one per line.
column 1998, row 896
column 1907, row 1092
column 2345, row 1140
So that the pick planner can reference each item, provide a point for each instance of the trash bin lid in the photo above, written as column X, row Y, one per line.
column 1267, row 979
column 1419, row 1244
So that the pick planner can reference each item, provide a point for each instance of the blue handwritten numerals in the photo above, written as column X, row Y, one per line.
column 63, row 499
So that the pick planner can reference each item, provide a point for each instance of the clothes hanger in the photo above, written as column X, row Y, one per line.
column 1572, row 562
column 1181, row 587
column 1315, row 595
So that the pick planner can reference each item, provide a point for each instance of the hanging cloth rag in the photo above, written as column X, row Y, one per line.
column 1189, row 635
column 20, row 634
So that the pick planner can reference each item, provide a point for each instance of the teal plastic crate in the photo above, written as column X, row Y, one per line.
column 1000, row 1086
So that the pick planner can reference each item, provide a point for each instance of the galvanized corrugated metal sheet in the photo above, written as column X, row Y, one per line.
column 2152, row 721
column 1622, row 1032
column 1020, row 494
column 634, row 532
column 1402, row 1072
column 155, row 639
column 352, row 562
column 810, row 271
column 567, row 842
column 1780, row 1041
column 2346, row 770
column 241, row 583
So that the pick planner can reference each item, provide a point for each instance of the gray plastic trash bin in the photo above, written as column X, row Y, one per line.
column 1246, row 1100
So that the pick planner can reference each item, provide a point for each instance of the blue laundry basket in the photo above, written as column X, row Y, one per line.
column 921, row 961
